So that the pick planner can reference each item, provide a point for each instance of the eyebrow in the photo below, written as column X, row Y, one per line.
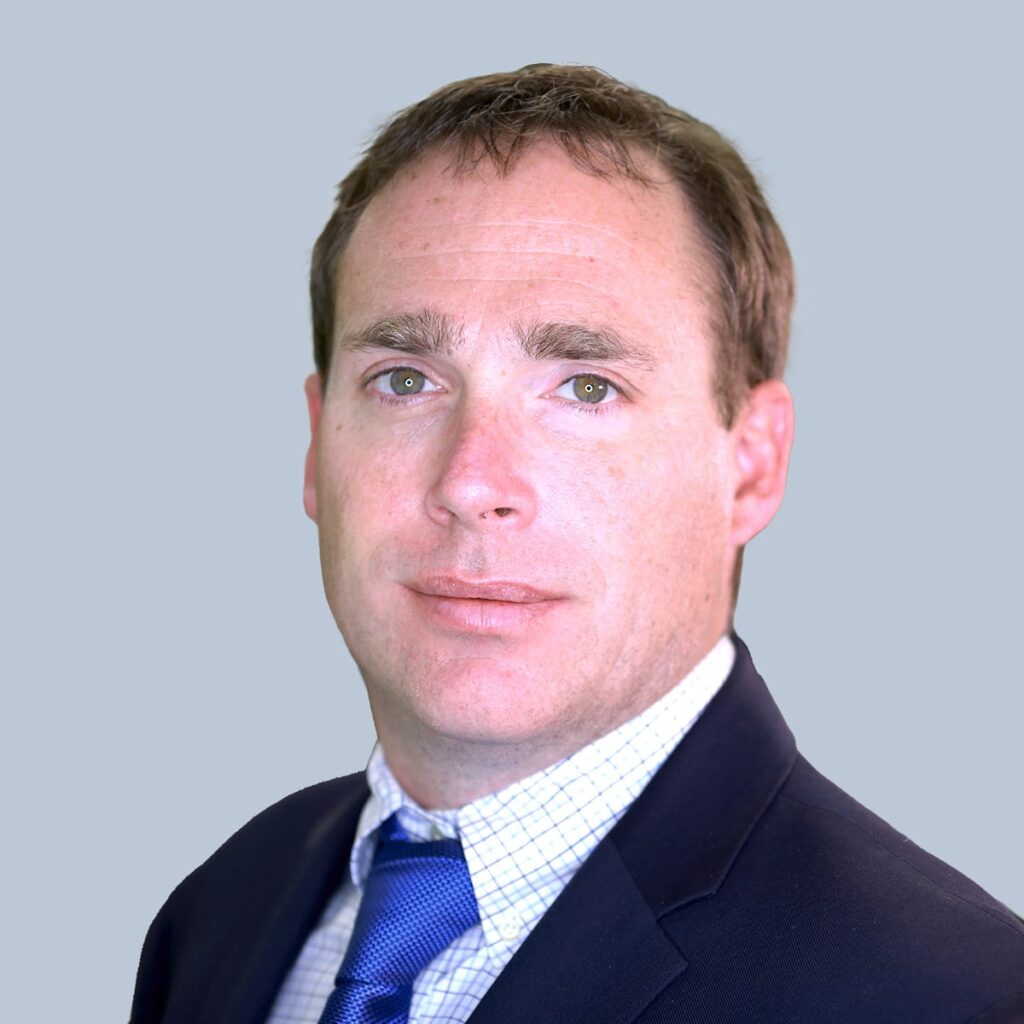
column 430, row 333
column 426, row 333
column 576, row 343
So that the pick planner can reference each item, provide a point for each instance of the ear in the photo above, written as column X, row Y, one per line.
column 315, row 404
column 762, row 439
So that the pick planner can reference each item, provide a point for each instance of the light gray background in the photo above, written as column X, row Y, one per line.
column 169, row 664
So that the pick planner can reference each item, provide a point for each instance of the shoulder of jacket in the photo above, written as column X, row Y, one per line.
column 824, row 816
column 275, row 836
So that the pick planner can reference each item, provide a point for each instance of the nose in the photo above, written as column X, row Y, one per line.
column 482, row 475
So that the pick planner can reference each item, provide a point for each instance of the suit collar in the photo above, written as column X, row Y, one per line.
column 600, row 953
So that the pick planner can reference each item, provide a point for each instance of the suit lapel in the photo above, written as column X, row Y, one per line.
column 680, row 837
column 600, row 954
column 246, row 988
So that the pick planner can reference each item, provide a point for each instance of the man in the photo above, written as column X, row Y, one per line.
column 550, row 324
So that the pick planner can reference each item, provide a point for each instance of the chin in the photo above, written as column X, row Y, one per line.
column 479, row 700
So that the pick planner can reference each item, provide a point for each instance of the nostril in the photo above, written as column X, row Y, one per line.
column 503, row 512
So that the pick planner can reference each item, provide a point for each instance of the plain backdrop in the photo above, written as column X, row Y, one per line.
column 169, row 664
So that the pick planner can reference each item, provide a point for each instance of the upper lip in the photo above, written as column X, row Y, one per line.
column 488, row 590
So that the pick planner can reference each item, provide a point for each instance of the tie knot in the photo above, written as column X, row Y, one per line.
column 418, row 898
column 394, row 843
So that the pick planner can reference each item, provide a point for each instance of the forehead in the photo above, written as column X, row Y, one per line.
column 545, row 241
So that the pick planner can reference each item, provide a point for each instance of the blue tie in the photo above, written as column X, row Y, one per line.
column 418, row 898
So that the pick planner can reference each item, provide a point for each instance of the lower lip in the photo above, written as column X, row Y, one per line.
column 475, row 615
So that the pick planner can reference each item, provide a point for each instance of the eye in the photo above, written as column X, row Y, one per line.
column 587, row 388
column 401, row 380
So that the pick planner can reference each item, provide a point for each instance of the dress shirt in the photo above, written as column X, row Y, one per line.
column 522, row 845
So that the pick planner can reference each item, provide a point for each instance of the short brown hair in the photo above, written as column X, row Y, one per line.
column 601, row 123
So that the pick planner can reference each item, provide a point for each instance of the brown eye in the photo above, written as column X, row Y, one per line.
column 588, row 387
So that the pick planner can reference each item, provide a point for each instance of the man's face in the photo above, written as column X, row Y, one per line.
column 547, row 430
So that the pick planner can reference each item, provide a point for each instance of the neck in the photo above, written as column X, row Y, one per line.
column 443, row 772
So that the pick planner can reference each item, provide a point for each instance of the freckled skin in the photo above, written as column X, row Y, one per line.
column 630, row 514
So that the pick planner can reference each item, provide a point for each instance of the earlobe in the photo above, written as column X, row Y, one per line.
column 315, row 403
column 763, row 439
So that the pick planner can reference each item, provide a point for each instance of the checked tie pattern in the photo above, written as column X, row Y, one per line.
column 418, row 898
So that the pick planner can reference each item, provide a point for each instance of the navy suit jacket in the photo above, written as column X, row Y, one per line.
column 741, row 886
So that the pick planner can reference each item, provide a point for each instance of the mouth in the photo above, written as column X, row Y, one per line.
column 489, row 607
column 508, row 591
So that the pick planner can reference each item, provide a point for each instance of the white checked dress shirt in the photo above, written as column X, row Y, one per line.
column 522, row 845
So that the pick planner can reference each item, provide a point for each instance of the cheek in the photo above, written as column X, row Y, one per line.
column 362, row 492
column 664, row 512
column 365, row 476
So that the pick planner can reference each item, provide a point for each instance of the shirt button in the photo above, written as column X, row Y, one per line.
column 510, row 924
